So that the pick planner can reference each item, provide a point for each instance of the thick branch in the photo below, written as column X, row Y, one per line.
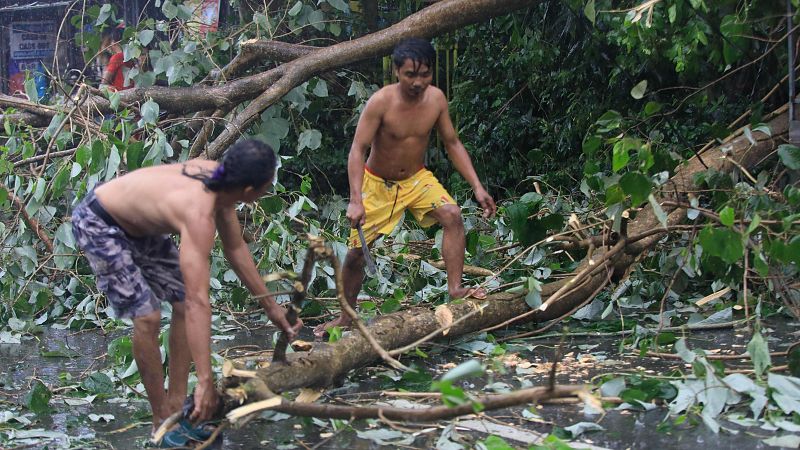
column 327, row 363
column 439, row 18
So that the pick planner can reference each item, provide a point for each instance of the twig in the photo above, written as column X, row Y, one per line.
column 490, row 402
column 213, row 436
column 711, row 356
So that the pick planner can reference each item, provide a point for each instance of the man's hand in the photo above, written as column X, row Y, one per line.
column 205, row 401
column 356, row 214
column 277, row 315
column 486, row 201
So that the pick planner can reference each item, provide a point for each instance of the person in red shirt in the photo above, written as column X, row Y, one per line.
column 117, row 68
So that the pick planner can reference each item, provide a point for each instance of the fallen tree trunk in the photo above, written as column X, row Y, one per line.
column 327, row 364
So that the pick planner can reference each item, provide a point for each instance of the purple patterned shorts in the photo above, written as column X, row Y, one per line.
column 136, row 274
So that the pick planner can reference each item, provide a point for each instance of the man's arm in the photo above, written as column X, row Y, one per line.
column 237, row 253
column 367, row 126
column 197, row 239
column 460, row 158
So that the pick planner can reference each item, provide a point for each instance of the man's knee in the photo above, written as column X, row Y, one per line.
column 147, row 326
column 449, row 216
column 354, row 259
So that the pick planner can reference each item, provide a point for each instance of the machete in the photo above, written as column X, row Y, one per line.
column 370, row 263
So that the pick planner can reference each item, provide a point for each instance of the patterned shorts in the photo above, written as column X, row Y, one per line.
column 136, row 274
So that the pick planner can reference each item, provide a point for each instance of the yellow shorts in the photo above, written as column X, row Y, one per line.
column 385, row 202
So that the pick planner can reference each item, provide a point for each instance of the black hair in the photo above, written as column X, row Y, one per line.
column 248, row 163
column 114, row 33
column 419, row 51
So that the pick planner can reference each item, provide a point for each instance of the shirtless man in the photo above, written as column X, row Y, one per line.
column 396, row 125
column 123, row 228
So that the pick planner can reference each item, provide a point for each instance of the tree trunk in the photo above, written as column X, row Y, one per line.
column 327, row 364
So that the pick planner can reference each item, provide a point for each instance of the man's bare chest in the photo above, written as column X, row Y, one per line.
column 401, row 125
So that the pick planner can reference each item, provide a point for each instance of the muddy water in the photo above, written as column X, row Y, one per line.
column 582, row 358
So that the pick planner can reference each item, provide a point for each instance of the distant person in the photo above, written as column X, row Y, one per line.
column 396, row 125
column 117, row 68
column 124, row 227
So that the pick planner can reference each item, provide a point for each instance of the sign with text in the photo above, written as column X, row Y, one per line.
column 32, row 44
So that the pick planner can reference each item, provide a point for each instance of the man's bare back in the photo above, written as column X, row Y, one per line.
column 155, row 200
column 401, row 140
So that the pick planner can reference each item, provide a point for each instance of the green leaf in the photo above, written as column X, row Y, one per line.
column 451, row 395
column 620, row 158
column 310, row 138
column 790, row 156
column 390, row 305
column 465, row 369
column 673, row 13
column 149, row 113
column 638, row 91
column 591, row 144
column 794, row 360
column 316, row 19
column 38, row 398
column 651, row 108
column 105, row 13
column 321, row 88
column 727, row 216
column 759, row 353
column 170, row 9
column 723, row 243
column 3, row 195
column 295, row 10
column 534, row 296
column 637, row 186
column 98, row 383
column 614, row 194
column 660, row 214
column 590, row 11
column 31, row 91
column 146, row 36
column 340, row 5
column 113, row 163
column 497, row 443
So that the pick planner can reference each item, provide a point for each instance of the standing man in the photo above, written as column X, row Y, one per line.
column 124, row 229
column 396, row 125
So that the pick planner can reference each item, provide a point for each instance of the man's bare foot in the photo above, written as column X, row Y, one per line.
column 320, row 330
column 464, row 292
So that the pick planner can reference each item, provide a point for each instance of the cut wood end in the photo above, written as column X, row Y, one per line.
column 445, row 318
column 246, row 410
column 302, row 346
column 229, row 370
column 308, row 395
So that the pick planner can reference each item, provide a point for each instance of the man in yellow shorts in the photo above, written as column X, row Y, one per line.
column 396, row 125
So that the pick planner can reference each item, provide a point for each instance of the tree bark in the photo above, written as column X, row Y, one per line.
column 327, row 364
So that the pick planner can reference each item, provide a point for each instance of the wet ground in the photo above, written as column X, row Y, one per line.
column 525, row 363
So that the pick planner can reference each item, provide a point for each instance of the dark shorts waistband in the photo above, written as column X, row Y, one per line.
column 101, row 212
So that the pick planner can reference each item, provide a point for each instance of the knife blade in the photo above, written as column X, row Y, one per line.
column 370, row 263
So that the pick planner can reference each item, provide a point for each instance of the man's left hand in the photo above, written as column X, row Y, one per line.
column 486, row 202
column 277, row 314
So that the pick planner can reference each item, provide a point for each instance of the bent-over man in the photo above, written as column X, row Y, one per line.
column 124, row 228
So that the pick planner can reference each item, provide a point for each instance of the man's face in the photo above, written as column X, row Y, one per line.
column 251, row 194
column 414, row 78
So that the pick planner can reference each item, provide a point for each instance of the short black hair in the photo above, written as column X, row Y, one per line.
column 248, row 163
column 418, row 50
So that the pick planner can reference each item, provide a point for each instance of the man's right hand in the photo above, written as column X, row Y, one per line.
column 356, row 214
column 205, row 401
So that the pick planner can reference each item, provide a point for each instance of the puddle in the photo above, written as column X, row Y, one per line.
column 523, row 365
